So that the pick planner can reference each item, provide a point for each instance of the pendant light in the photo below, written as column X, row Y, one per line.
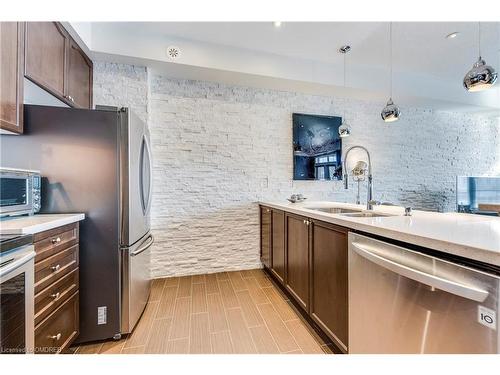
column 391, row 111
column 344, row 128
column 481, row 76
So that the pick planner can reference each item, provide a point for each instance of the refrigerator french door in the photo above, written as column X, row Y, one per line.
column 404, row 301
column 97, row 162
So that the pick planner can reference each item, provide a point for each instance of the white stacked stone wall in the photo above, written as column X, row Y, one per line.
column 219, row 149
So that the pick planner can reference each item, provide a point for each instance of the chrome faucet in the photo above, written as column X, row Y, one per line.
column 345, row 176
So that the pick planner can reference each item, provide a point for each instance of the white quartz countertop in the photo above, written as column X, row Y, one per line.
column 36, row 223
column 474, row 237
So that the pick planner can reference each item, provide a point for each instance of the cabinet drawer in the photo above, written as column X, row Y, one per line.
column 52, row 241
column 59, row 329
column 55, row 294
column 53, row 268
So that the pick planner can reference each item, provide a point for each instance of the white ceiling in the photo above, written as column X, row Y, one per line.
column 418, row 46
column 426, row 64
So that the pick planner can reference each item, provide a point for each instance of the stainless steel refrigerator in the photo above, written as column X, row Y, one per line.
column 97, row 162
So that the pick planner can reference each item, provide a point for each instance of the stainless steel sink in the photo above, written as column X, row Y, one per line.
column 335, row 210
column 365, row 214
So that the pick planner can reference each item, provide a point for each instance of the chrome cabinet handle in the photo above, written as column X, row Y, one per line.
column 471, row 292
column 307, row 222
column 56, row 240
column 56, row 296
column 55, row 268
column 56, row 337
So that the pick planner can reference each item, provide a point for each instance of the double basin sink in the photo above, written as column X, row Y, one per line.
column 348, row 212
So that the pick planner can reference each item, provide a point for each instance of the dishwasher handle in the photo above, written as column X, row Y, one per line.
column 467, row 291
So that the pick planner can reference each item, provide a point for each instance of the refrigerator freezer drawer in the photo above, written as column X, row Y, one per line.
column 403, row 301
column 136, row 282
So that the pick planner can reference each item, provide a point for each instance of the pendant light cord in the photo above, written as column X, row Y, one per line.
column 479, row 37
column 390, row 41
column 345, row 53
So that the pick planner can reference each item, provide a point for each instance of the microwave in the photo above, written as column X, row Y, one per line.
column 20, row 192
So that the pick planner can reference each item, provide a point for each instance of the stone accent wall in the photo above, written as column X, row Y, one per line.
column 218, row 149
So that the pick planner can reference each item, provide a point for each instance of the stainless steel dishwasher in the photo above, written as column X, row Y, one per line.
column 404, row 301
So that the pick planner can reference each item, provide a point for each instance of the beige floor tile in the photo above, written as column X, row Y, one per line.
column 204, row 314
column 185, row 284
column 240, row 335
column 181, row 319
column 256, row 291
column 199, row 299
column 250, row 312
column 167, row 302
column 199, row 336
column 211, row 283
column 134, row 350
column 158, row 339
column 282, row 307
column 172, row 281
column 303, row 337
column 92, row 348
column 216, row 313
column 156, row 289
column 198, row 279
column 112, row 347
column 237, row 281
column 222, row 276
column 180, row 346
column 276, row 326
column 264, row 282
column 229, row 298
column 247, row 273
column 263, row 340
column 221, row 342
column 140, row 334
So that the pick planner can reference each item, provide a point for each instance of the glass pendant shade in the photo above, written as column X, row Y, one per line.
column 344, row 130
column 391, row 112
column 480, row 77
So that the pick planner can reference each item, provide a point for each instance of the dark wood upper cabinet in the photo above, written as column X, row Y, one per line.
column 11, row 73
column 297, row 258
column 46, row 46
column 265, row 236
column 329, row 299
column 79, row 77
column 55, row 62
column 278, row 244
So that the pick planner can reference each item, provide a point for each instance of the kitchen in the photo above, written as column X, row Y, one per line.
column 212, row 188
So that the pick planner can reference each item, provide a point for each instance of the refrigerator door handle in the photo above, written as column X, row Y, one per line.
column 148, row 207
column 467, row 291
column 150, row 240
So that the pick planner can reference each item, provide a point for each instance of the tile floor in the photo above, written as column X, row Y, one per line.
column 228, row 312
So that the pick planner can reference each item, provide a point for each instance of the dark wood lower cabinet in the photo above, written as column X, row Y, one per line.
column 56, row 288
column 297, row 258
column 265, row 236
column 309, row 258
column 329, row 299
column 278, row 244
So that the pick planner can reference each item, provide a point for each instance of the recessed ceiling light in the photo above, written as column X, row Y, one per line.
column 277, row 23
column 452, row 35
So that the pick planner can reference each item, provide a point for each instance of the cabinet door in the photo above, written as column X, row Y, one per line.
column 265, row 236
column 329, row 302
column 297, row 258
column 278, row 244
column 79, row 77
column 11, row 73
column 46, row 44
